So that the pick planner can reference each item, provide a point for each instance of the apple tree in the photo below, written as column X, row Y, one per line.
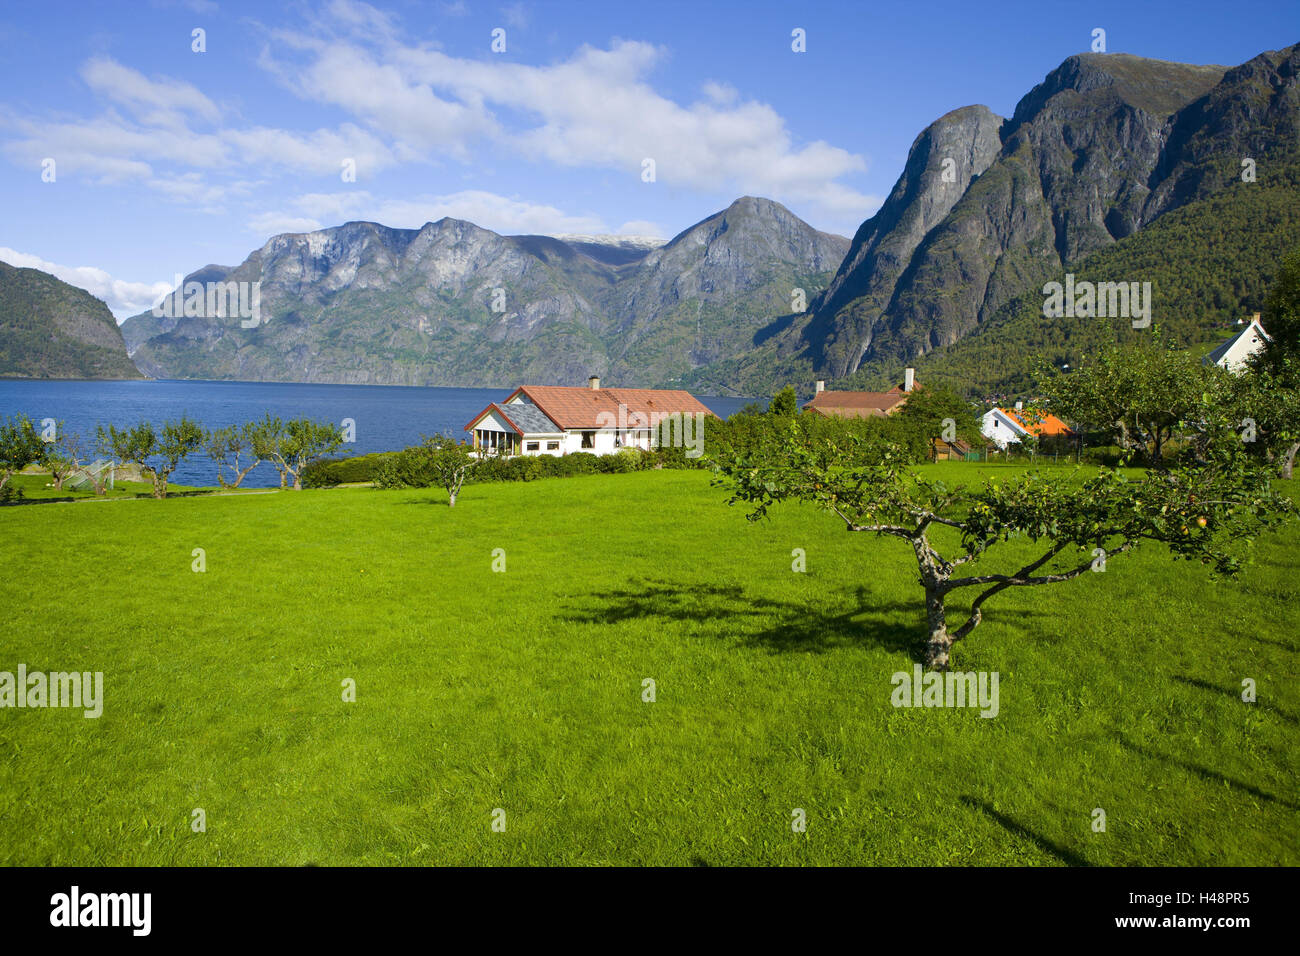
column 1203, row 511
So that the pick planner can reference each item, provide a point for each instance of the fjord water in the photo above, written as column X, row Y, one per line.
column 387, row 417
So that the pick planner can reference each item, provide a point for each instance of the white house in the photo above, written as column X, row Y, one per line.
column 1005, row 426
column 1236, row 352
column 558, row 420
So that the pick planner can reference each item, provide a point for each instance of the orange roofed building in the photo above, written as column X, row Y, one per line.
column 1005, row 426
column 559, row 419
column 862, row 404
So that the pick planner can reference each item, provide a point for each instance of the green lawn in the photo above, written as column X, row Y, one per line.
column 522, row 690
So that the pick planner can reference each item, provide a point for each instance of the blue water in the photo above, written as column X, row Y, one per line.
column 387, row 417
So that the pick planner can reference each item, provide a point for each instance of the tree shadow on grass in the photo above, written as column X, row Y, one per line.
column 1235, row 694
column 1205, row 773
column 1015, row 828
column 777, row 625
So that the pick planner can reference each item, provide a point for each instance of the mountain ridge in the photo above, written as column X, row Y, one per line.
column 452, row 303
column 51, row 329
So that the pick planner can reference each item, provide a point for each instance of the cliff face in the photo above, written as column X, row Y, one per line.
column 941, row 164
column 454, row 304
column 1104, row 145
column 49, row 329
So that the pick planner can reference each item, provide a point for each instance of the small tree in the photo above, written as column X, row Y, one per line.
column 934, row 414
column 448, row 462
column 20, row 446
column 56, row 458
column 1281, row 315
column 1270, row 391
column 1199, row 511
column 225, row 446
column 293, row 445
column 1144, row 395
column 785, row 403
column 1266, row 409
column 158, row 454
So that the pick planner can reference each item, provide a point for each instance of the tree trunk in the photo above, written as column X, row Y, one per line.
column 1288, row 464
column 297, row 481
column 451, row 497
column 936, row 649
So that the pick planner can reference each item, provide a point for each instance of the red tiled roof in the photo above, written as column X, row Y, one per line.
column 576, row 407
column 858, row 404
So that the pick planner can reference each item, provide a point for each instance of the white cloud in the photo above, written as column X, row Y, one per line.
column 273, row 223
column 124, row 299
column 161, row 101
column 596, row 109
column 169, row 135
column 724, row 94
column 408, row 102
column 516, row 15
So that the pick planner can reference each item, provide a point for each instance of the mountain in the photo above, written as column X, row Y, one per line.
column 1210, row 264
column 49, row 329
column 942, row 163
column 1101, row 149
column 454, row 304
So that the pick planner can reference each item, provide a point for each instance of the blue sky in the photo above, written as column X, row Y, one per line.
column 166, row 159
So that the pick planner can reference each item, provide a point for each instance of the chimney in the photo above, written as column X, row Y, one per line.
column 820, row 385
column 1256, row 317
column 909, row 379
column 594, row 383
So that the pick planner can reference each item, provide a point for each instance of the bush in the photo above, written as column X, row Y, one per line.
column 666, row 456
column 406, row 469
column 492, row 468
column 579, row 463
column 524, row 468
column 389, row 475
column 330, row 472
column 623, row 461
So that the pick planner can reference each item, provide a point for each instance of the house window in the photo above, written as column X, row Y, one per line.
column 532, row 446
column 588, row 439
column 497, row 443
column 552, row 446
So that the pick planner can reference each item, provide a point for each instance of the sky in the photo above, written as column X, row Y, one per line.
column 133, row 149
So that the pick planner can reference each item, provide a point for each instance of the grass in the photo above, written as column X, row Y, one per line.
column 36, row 487
column 522, row 690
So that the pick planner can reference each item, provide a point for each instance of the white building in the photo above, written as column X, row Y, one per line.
column 1005, row 426
column 559, row 420
column 1236, row 352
